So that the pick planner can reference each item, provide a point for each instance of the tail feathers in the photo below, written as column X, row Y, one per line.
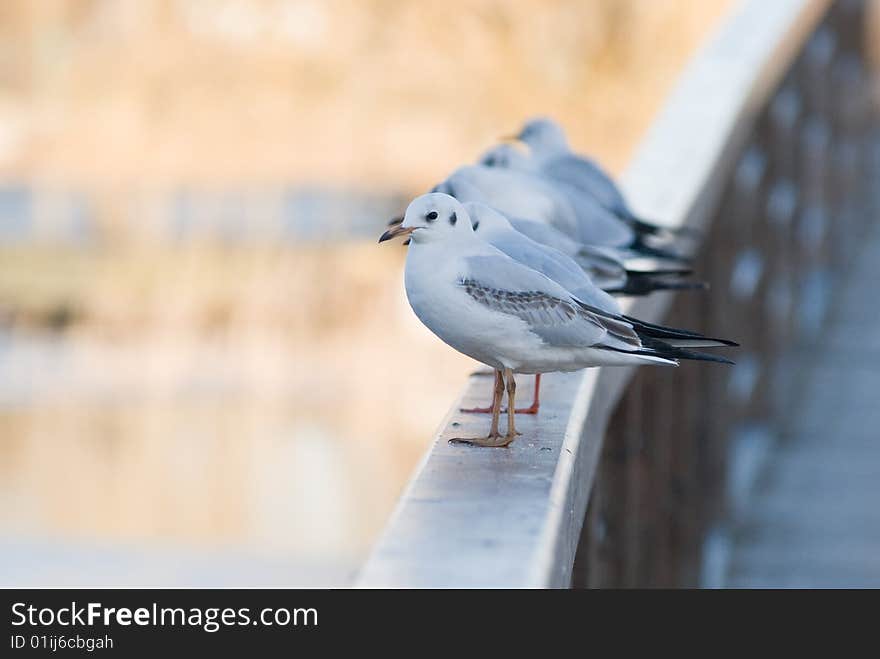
column 637, row 262
column 649, row 355
column 648, row 228
column 668, row 351
column 666, row 354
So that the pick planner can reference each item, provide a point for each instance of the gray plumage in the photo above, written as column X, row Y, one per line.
column 522, row 194
column 551, row 312
column 494, row 228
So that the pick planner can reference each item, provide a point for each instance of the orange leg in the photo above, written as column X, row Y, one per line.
column 532, row 409
column 536, row 399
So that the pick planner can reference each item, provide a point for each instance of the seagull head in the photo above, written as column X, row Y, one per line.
column 506, row 156
column 433, row 216
column 544, row 137
column 460, row 184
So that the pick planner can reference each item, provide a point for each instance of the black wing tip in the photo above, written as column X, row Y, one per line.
column 656, row 333
column 718, row 343
column 675, row 355
column 705, row 357
column 661, row 331
column 660, row 272
column 639, row 247
column 683, row 286
column 640, row 286
column 671, row 352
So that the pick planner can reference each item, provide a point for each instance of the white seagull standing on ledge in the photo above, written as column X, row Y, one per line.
column 508, row 316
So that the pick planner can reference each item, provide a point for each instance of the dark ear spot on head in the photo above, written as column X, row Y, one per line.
column 476, row 224
column 453, row 219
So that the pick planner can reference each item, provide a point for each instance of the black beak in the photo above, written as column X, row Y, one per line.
column 396, row 231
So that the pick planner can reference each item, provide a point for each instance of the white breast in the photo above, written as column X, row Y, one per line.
column 495, row 339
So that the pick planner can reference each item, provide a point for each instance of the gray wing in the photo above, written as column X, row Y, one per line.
column 597, row 224
column 604, row 265
column 559, row 267
column 546, row 234
column 515, row 193
column 605, row 268
column 587, row 175
column 503, row 285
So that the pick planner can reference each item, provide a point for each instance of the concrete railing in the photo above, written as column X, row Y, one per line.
column 631, row 477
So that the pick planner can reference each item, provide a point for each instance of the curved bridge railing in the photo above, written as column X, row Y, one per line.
column 632, row 477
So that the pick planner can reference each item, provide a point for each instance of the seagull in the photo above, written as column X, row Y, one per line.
column 528, row 195
column 493, row 227
column 507, row 156
column 508, row 316
column 603, row 265
column 551, row 157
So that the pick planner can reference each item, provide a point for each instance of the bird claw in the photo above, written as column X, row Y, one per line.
column 492, row 441
column 475, row 410
column 532, row 409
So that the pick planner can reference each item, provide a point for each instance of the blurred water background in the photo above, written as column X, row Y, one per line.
column 209, row 374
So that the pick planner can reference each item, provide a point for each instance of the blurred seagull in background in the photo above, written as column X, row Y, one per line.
column 507, row 156
column 550, row 156
column 577, row 214
column 511, row 317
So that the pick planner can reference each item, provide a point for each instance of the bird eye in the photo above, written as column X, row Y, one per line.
column 431, row 216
